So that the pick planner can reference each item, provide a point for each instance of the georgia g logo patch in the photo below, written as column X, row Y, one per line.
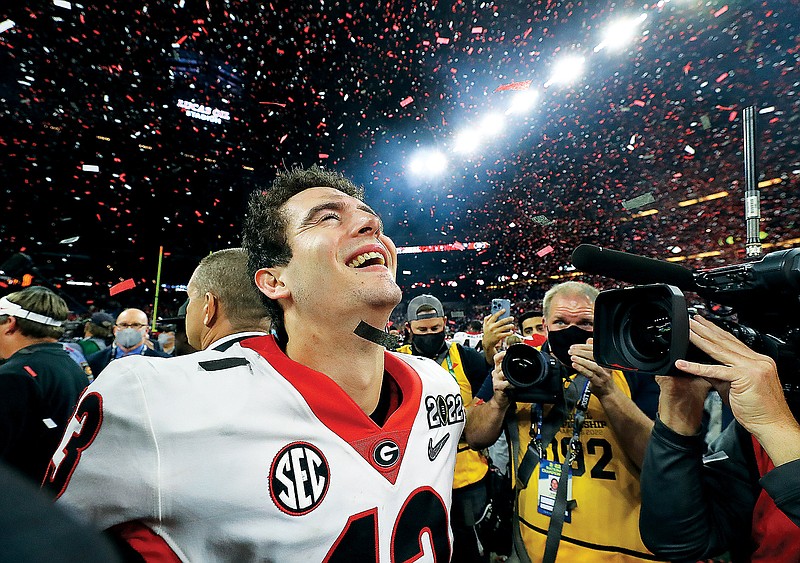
column 298, row 478
column 386, row 454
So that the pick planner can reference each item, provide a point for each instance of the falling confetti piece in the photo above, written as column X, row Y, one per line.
column 545, row 251
column 522, row 85
column 639, row 201
column 122, row 286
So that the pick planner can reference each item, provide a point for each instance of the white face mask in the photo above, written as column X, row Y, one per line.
column 128, row 337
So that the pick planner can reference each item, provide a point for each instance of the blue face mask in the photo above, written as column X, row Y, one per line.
column 128, row 337
column 559, row 342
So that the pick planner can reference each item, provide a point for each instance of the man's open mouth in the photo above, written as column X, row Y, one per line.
column 367, row 259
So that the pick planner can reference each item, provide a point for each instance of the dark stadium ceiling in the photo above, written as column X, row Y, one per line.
column 128, row 126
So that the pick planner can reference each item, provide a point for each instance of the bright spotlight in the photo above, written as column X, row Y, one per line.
column 466, row 141
column 620, row 33
column 523, row 101
column 566, row 70
column 492, row 125
column 428, row 163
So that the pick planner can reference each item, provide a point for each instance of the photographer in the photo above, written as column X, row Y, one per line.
column 604, row 483
column 743, row 496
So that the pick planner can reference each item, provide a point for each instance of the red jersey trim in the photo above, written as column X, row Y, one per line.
column 145, row 542
column 336, row 410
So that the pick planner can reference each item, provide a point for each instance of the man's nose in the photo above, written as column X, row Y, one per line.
column 368, row 223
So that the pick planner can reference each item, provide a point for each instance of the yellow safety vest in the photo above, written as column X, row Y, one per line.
column 605, row 522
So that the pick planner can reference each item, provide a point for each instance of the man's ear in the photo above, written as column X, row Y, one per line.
column 268, row 281
column 210, row 308
column 10, row 326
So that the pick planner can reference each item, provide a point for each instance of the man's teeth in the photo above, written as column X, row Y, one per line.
column 361, row 258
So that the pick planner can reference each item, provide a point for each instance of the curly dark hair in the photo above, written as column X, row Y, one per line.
column 264, row 233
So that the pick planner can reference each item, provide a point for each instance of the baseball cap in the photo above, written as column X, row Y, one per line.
column 417, row 303
column 103, row 319
column 181, row 316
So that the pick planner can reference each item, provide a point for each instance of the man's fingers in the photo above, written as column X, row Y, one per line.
column 720, row 373
column 718, row 343
column 582, row 350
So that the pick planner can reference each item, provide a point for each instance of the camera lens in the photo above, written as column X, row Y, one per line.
column 524, row 366
column 647, row 331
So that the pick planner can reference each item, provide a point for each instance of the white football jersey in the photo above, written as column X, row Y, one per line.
column 246, row 455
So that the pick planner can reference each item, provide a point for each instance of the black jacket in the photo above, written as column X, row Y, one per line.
column 695, row 507
column 39, row 388
column 99, row 360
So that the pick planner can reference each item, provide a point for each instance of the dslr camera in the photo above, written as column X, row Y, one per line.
column 537, row 377
column 646, row 328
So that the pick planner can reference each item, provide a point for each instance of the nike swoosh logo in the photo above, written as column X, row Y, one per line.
column 434, row 450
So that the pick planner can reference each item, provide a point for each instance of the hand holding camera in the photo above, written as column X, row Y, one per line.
column 750, row 381
column 582, row 356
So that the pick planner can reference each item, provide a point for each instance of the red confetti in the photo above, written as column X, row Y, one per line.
column 721, row 11
column 523, row 85
column 722, row 77
column 406, row 101
column 122, row 286
column 545, row 251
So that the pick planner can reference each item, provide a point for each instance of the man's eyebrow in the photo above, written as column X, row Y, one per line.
column 314, row 211
column 335, row 206
column 368, row 209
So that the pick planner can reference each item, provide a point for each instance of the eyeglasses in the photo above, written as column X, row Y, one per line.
column 137, row 326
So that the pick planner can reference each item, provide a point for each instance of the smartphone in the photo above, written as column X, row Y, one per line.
column 498, row 304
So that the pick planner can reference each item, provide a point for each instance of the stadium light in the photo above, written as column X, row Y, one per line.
column 523, row 101
column 492, row 125
column 566, row 70
column 428, row 163
column 466, row 141
column 620, row 33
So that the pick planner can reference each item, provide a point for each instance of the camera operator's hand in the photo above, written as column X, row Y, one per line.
column 755, row 394
column 494, row 331
column 500, row 384
column 582, row 356
column 629, row 423
column 485, row 419
column 681, row 401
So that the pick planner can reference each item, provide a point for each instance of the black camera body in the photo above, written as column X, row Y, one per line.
column 646, row 328
column 537, row 377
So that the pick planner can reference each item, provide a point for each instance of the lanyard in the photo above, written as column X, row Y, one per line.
column 560, row 505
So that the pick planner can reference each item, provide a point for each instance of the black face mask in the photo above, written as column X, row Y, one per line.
column 559, row 342
column 428, row 345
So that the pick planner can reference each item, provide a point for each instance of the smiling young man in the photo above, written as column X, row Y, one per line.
column 314, row 444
